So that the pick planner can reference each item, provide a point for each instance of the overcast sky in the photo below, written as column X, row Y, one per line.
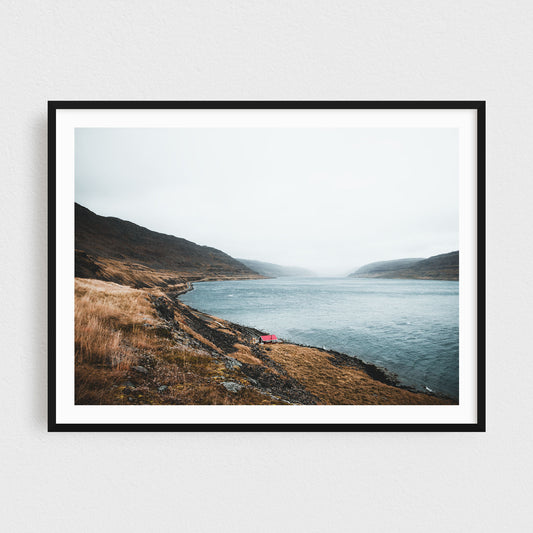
column 328, row 199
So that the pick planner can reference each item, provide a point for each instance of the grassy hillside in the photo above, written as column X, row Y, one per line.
column 112, row 249
column 443, row 267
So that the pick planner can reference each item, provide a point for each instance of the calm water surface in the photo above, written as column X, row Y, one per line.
column 410, row 327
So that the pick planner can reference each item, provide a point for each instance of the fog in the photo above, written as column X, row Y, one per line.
column 329, row 200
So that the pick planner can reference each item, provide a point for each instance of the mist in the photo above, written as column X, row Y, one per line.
column 328, row 200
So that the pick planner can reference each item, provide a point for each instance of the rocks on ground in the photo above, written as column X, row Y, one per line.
column 232, row 364
column 232, row 386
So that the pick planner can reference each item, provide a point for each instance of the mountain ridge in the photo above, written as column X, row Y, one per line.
column 112, row 249
column 438, row 267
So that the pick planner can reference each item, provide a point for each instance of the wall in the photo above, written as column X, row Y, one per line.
column 265, row 50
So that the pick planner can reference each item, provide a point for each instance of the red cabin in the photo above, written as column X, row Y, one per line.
column 268, row 338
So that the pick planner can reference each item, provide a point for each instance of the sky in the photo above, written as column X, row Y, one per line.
column 327, row 199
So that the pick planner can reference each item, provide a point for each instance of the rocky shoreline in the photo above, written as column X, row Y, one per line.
column 377, row 373
column 262, row 377
column 143, row 346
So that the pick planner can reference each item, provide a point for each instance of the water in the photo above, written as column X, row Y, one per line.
column 410, row 327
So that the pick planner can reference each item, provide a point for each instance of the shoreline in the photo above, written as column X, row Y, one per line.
column 376, row 372
column 144, row 346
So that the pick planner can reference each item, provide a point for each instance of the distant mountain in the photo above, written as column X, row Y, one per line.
column 112, row 249
column 443, row 266
column 382, row 267
column 275, row 271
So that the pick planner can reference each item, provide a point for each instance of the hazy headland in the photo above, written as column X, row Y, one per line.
column 442, row 266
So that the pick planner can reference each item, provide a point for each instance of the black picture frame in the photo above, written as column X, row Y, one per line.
column 478, row 426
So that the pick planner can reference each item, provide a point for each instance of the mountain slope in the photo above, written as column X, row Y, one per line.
column 273, row 270
column 383, row 267
column 112, row 249
column 442, row 266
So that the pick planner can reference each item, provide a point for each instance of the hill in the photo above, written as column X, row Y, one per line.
column 111, row 249
column 273, row 270
column 443, row 266
column 382, row 267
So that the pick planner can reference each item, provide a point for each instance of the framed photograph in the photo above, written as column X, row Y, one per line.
column 267, row 266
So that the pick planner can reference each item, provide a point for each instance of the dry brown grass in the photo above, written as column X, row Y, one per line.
column 95, row 342
column 102, row 311
column 137, row 275
column 199, row 337
column 244, row 355
column 116, row 328
column 341, row 385
column 141, row 276
column 96, row 385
